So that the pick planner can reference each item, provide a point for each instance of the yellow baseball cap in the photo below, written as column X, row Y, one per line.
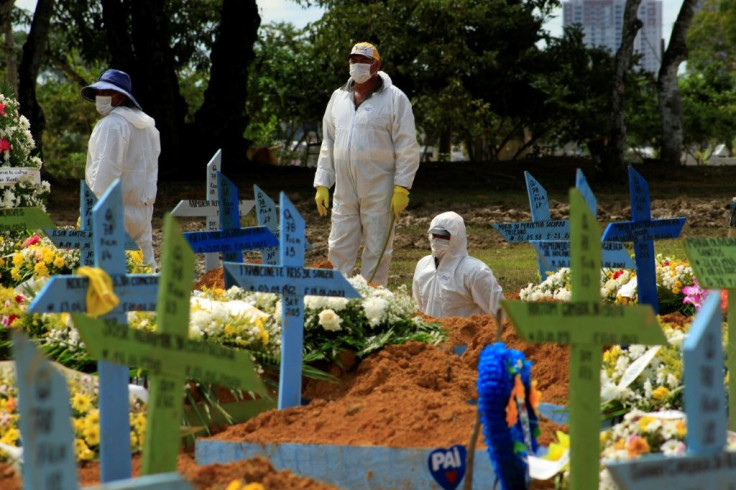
column 366, row 49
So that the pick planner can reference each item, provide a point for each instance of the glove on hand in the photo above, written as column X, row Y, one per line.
column 399, row 201
column 322, row 199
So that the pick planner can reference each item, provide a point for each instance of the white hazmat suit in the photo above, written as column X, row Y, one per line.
column 125, row 144
column 365, row 153
column 460, row 285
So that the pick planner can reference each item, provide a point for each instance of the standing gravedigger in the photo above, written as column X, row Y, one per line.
column 370, row 153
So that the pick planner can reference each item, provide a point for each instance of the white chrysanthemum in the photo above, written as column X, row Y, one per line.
column 375, row 309
column 329, row 320
column 337, row 304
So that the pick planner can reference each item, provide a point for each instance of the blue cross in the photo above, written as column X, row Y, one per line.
column 643, row 230
column 137, row 292
column 706, row 464
column 230, row 239
column 82, row 239
column 210, row 207
column 293, row 281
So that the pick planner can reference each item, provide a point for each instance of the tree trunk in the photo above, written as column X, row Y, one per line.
column 115, row 16
column 613, row 162
column 221, row 120
column 668, row 92
column 30, row 65
column 6, row 27
column 155, row 84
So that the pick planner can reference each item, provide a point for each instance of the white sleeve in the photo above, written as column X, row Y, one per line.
column 325, row 175
column 485, row 289
column 404, row 136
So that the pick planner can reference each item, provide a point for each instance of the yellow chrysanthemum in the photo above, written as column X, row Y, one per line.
column 59, row 262
column 40, row 270
column 2, row 262
column 48, row 255
column 91, row 434
column 10, row 436
column 644, row 422
column 17, row 259
column 660, row 393
column 83, row 452
column 81, row 402
column 15, row 273
column 262, row 332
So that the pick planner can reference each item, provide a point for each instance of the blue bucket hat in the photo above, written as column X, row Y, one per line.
column 112, row 79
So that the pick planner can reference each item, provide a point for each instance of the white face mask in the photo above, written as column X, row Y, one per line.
column 360, row 72
column 439, row 246
column 103, row 104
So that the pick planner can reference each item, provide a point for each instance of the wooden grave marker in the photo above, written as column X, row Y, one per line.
column 292, row 281
column 230, row 239
column 707, row 463
column 554, row 254
column 168, row 354
column 22, row 219
column 268, row 216
column 713, row 260
column 643, row 230
column 82, row 239
column 209, row 207
column 587, row 325
column 136, row 292
column 49, row 461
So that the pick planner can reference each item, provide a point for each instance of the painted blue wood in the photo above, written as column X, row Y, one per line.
column 162, row 481
column 534, row 230
column 353, row 467
column 705, row 395
column 231, row 241
column 229, row 215
column 707, row 464
column 136, row 292
column 538, row 202
column 293, row 281
column 642, row 231
column 45, row 420
column 556, row 254
column 268, row 217
column 581, row 184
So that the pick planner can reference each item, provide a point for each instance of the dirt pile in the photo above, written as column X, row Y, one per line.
column 411, row 395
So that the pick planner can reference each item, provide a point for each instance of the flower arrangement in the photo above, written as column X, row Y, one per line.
column 618, row 286
column 85, row 414
column 16, row 145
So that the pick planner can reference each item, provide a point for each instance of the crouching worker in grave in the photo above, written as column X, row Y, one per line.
column 449, row 282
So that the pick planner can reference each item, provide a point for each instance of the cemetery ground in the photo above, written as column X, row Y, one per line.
column 387, row 392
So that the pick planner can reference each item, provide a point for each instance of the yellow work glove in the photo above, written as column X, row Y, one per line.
column 400, row 200
column 322, row 199
column 100, row 296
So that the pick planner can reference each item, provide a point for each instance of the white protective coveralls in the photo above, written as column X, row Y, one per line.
column 365, row 153
column 460, row 285
column 125, row 144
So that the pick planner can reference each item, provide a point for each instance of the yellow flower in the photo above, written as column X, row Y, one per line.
column 59, row 262
column 644, row 422
column 17, row 259
column 229, row 330
column 15, row 273
column 91, row 434
column 40, row 270
column 557, row 449
column 81, row 403
column 133, row 439
column 93, row 417
column 660, row 393
column 48, row 255
column 83, row 452
column 254, row 486
column 2, row 262
column 11, row 436
column 681, row 428
column 262, row 332
column 235, row 485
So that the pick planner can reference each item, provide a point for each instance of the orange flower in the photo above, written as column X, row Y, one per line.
column 11, row 404
column 535, row 396
column 724, row 299
column 517, row 393
column 636, row 446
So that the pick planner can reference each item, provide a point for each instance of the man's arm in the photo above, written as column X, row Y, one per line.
column 107, row 154
column 404, row 136
column 485, row 289
column 325, row 175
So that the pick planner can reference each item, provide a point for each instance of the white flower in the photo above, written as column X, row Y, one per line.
column 375, row 309
column 337, row 304
column 330, row 320
column 673, row 447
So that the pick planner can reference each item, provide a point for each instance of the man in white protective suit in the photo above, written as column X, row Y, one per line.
column 370, row 153
column 124, row 144
column 449, row 282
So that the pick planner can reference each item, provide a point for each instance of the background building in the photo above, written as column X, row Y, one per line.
column 602, row 22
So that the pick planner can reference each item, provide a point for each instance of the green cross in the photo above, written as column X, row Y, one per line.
column 586, row 325
column 168, row 355
column 714, row 262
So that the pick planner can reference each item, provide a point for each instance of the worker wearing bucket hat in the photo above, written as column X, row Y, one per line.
column 370, row 154
column 124, row 144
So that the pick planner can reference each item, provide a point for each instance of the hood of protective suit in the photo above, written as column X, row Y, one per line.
column 137, row 118
column 458, row 248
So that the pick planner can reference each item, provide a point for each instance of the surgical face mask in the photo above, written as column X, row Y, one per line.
column 360, row 72
column 103, row 104
column 439, row 246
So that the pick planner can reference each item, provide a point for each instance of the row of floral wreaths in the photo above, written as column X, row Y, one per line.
column 252, row 321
